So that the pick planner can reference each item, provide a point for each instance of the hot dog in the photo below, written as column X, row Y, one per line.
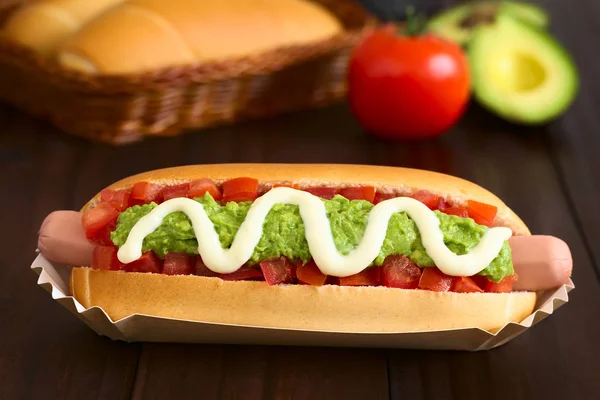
column 325, row 247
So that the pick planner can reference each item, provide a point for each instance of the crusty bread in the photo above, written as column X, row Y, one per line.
column 325, row 308
column 141, row 35
column 45, row 24
column 387, row 179
column 332, row 308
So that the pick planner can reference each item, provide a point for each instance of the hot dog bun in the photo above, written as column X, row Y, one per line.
column 335, row 308
column 45, row 24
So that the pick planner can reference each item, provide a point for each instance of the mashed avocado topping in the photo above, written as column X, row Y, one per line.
column 283, row 232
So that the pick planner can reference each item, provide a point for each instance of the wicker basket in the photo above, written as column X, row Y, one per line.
column 122, row 109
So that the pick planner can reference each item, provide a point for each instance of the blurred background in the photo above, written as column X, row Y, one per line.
column 406, row 69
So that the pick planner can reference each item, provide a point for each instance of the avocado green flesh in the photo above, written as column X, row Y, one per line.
column 283, row 233
column 520, row 73
column 449, row 23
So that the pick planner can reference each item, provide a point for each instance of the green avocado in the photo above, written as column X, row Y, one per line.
column 283, row 232
column 521, row 73
column 457, row 23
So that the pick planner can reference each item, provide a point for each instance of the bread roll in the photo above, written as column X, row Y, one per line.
column 44, row 25
column 140, row 35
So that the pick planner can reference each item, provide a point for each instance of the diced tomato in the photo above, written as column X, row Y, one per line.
column 483, row 214
column 504, row 286
column 148, row 262
column 240, row 189
column 332, row 280
column 177, row 264
column 95, row 219
column 241, row 197
column 441, row 204
column 310, row 274
column 199, row 187
column 103, row 235
column 105, row 257
column 458, row 211
column 172, row 192
column 245, row 273
column 118, row 198
column 326, row 193
column 480, row 281
column 368, row 277
column 427, row 198
column 278, row 270
column 144, row 193
column 290, row 185
column 379, row 197
column 201, row 269
column 464, row 284
column 359, row 193
column 400, row 272
column 435, row 280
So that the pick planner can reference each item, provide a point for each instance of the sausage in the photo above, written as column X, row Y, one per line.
column 62, row 239
column 541, row 262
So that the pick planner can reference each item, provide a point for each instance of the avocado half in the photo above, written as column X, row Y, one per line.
column 521, row 73
column 457, row 23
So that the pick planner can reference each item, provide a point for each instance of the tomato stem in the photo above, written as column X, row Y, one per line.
column 415, row 22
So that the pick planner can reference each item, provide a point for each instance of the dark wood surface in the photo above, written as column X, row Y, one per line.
column 548, row 175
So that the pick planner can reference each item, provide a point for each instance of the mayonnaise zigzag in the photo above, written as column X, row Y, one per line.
column 318, row 235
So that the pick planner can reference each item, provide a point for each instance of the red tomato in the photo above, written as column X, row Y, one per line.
column 441, row 204
column 201, row 269
column 326, row 193
column 400, row 272
column 483, row 214
column 379, row 197
column 145, row 192
column 310, row 274
column 480, row 281
column 177, row 264
column 199, row 187
column 240, row 189
column 407, row 87
column 435, row 280
column 427, row 198
column 464, row 284
column 118, row 198
column 148, row 262
column 172, row 192
column 278, row 270
column 359, row 193
column 368, row 277
column 504, row 286
column 243, row 274
column 103, row 235
column 105, row 257
column 458, row 211
column 95, row 219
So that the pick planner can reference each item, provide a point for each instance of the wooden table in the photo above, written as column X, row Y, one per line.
column 547, row 175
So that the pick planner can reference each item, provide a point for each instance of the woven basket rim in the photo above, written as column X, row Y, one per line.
column 178, row 76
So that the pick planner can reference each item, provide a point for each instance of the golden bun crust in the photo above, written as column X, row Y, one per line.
column 141, row 35
column 386, row 179
column 325, row 308
column 45, row 24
